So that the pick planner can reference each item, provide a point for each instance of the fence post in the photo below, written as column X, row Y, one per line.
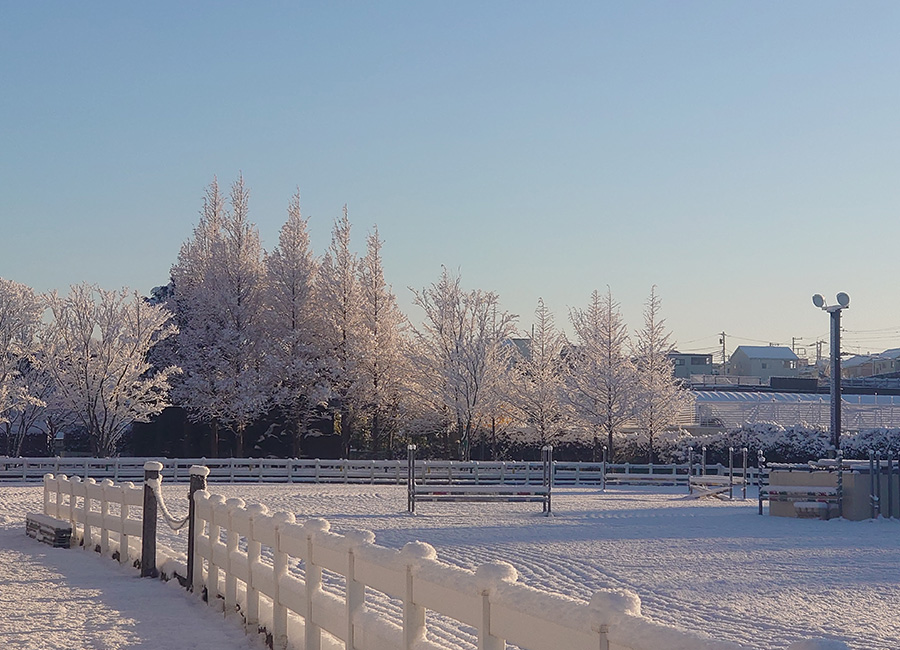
column 152, row 469
column 731, row 472
column 280, row 563
column 690, row 469
column 490, row 576
column 313, row 579
column 603, row 468
column 356, row 591
column 413, row 553
column 108, row 486
column 547, row 479
column 744, row 484
column 760, row 463
column 411, row 479
column 198, row 482
column 231, row 545
column 872, row 497
column 890, row 458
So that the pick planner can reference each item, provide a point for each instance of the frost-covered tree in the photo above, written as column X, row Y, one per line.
column 218, row 283
column 380, row 350
column 293, row 358
column 338, row 301
column 536, row 380
column 97, row 347
column 659, row 400
column 20, row 318
column 459, row 353
column 601, row 382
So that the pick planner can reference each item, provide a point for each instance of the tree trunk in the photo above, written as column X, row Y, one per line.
column 214, row 439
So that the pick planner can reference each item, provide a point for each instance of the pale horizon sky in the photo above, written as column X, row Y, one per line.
column 739, row 156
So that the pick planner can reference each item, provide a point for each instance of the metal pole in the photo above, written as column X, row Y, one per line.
column 840, row 482
column 410, row 478
column 731, row 472
column 890, row 484
column 836, row 378
column 703, row 462
column 744, row 484
column 152, row 469
column 690, row 467
column 878, row 481
column 760, row 462
column 872, row 496
column 603, row 468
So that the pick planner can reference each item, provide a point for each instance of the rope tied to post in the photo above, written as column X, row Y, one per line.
column 155, row 484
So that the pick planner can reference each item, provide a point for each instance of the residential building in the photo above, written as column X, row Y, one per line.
column 686, row 365
column 764, row 361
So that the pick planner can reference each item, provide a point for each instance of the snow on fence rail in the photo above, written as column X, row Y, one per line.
column 240, row 556
column 292, row 470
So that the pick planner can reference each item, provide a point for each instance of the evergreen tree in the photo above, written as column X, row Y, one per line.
column 294, row 356
column 380, row 347
column 218, row 283
column 658, row 398
column 537, row 379
column 337, row 297
column 601, row 380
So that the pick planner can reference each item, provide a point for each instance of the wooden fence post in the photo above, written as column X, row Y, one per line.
column 490, row 576
column 257, row 512
column 413, row 553
column 280, row 562
column 198, row 482
column 356, row 591
column 152, row 469
column 313, row 632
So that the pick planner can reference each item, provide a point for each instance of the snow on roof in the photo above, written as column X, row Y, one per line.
column 768, row 352
column 710, row 396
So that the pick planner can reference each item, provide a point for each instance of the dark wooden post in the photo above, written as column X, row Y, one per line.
column 152, row 469
column 198, row 482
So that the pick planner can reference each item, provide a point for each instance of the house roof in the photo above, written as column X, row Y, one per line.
column 768, row 352
column 863, row 359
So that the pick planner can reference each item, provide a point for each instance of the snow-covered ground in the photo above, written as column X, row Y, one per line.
column 707, row 566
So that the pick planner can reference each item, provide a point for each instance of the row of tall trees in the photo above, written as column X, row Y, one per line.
column 283, row 331
column 243, row 336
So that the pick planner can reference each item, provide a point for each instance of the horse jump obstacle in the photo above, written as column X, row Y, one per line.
column 448, row 492
column 716, row 485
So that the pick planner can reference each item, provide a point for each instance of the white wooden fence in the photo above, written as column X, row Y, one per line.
column 292, row 470
column 488, row 600
column 307, row 585
column 105, row 515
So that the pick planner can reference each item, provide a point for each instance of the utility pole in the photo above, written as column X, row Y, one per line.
column 794, row 340
column 724, row 358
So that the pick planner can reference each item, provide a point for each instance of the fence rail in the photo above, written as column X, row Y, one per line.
column 291, row 470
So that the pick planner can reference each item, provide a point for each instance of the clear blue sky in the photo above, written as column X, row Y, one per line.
column 740, row 156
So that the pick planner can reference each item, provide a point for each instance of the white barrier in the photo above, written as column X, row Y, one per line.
column 293, row 470
column 488, row 600
column 104, row 515
column 242, row 555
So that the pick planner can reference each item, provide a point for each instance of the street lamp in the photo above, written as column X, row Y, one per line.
column 835, row 310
